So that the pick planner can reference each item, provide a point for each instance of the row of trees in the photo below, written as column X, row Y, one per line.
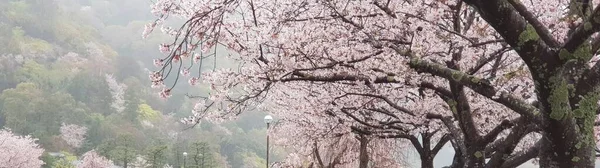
column 503, row 81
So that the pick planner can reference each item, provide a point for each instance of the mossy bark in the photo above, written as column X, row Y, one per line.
column 568, row 128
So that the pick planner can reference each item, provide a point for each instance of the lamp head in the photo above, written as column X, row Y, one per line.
column 268, row 119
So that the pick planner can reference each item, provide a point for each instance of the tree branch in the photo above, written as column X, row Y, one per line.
column 516, row 31
column 584, row 31
column 508, row 144
column 482, row 62
column 491, row 136
column 342, row 63
column 454, row 131
column 317, row 155
column 461, row 102
column 387, row 100
column 385, row 9
column 302, row 76
column 595, row 45
column 523, row 156
column 539, row 27
column 411, row 138
column 478, row 85
column 445, row 138
column 440, row 90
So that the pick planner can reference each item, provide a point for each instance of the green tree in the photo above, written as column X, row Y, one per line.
column 91, row 90
column 146, row 113
column 58, row 160
column 65, row 161
column 43, row 77
column 17, row 105
column 156, row 156
column 202, row 155
column 124, row 153
column 98, row 132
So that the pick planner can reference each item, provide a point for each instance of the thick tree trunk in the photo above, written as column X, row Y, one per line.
column 562, row 146
column 475, row 158
column 426, row 161
column 568, row 139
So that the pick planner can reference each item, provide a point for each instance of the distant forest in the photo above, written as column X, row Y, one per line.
column 84, row 62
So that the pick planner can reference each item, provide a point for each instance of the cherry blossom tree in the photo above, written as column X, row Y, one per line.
column 490, row 76
column 333, row 146
column 73, row 134
column 91, row 159
column 117, row 90
column 313, row 124
column 140, row 162
column 19, row 151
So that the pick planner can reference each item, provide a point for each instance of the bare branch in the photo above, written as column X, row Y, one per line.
column 523, row 156
column 388, row 101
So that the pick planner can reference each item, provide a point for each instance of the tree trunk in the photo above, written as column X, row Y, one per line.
column 427, row 161
column 568, row 139
column 426, row 155
column 476, row 158
column 364, row 156
column 458, row 161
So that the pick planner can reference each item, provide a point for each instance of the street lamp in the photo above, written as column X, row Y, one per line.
column 268, row 120
column 184, row 156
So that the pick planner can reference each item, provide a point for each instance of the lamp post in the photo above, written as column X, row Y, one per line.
column 184, row 157
column 268, row 120
column 201, row 156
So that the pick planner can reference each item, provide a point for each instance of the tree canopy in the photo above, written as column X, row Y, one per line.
column 504, row 81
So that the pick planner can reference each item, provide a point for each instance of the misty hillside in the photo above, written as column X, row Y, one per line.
column 83, row 63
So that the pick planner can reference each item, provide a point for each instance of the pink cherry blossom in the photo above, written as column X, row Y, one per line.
column 164, row 48
column 197, row 58
column 185, row 71
column 155, row 76
column 158, row 84
column 19, row 151
column 91, row 159
column 117, row 91
column 165, row 93
column 148, row 29
column 158, row 62
column 193, row 81
column 73, row 134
